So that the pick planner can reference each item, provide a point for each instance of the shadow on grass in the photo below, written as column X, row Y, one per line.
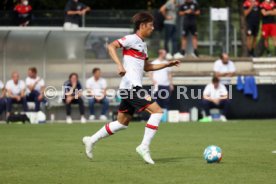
column 171, row 159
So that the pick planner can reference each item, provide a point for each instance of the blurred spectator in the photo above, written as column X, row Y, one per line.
column 224, row 67
column 2, row 98
column 253, row 16
column 162, row 80
column 73, row 95
column 268, row 9
column 215, row 95
column 74, row 10
column 169, row 11
column 16, row 93
column 23, row 13
column 190, row 11
column 35, row 88
column 96, row 85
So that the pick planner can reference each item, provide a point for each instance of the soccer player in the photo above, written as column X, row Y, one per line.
column 268, row 9
column 253, row 17
column 135, row 63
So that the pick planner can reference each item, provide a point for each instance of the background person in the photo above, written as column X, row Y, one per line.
column 224, row 67
column 74, row 10
column 190, row 11
column 97, row 87
column 169, row 11
column 253, row 17
column 215, row 95
column 268, row 9
column 73, row 95
column 35, row 88
column 162, row 80
column 16, row 93
column 23, row 13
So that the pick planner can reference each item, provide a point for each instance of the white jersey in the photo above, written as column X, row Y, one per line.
column 15, row 88
column 214, row 93
column 98, row 86
column 220, row 67
column 135, row 53
column 30, row 81
column 161, row 76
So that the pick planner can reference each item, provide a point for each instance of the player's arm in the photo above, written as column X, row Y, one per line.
column 265, row 13
column 247, row 10
column 184, row 12
column 153, row 67
column 112, row 50
column 71, row 12
column 163, row 11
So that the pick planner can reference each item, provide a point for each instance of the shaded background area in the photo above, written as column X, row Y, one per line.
column 117, row 4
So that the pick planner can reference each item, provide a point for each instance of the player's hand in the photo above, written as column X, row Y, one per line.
column 174, row 63
column 121, row 71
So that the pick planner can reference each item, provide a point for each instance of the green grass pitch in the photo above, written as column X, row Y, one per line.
column 53, row 154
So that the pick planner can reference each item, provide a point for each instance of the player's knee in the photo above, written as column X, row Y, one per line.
column 158, row 110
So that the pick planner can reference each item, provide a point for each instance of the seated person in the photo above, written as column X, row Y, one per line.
column 224, row 67
column 2, row 98
column 96, row 85
column 35, row 88
column 73, row 95
column 16, row 93
column 215, row 95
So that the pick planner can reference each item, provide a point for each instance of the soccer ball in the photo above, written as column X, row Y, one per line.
column 212, row 154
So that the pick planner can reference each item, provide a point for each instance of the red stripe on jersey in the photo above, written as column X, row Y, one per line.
column 135, row 54
column 108, row 129
column 119, row 43
column 152, row 127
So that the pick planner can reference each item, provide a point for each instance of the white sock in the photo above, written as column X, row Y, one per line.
column 151, row 129
column 107, row 130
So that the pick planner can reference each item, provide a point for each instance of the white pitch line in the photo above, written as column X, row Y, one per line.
column 274, row 152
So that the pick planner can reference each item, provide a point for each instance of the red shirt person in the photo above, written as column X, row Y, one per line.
column 268, row 9
column 23, row 13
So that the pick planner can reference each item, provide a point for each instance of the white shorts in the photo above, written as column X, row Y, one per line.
column 69, row 25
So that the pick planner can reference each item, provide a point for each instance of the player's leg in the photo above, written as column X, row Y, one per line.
column 193, row 30
column 185, row 33
column 124, row 116
column 151, row 128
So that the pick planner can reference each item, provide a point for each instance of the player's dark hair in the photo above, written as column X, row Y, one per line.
column 215, row 80
column 33, row 70
column 141, row 18
column 73, row 74
column 95, row 70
